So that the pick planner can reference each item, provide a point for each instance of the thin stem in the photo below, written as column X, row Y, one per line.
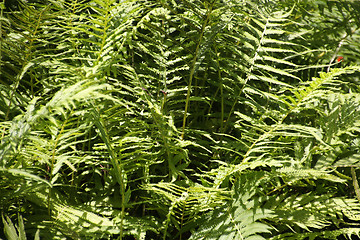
column 249, row 73
column 221, row 91
column 114, row 160
column 336, row 51
column 192, row 71
column 53, row 157
column 355, row 183
column 338, row 48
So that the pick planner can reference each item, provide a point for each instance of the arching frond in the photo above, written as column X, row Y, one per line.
column 179, row 119
column 240, row 218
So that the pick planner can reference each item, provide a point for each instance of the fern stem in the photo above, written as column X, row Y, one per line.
column 104, row 37
column 355, row 183
column 341, row 42
column 221, row 92
column 114, row 160
column 248, row 73
column 336, row 51
column 168, row 218
column 182, row 220
column 53, row 158
column 192, row 71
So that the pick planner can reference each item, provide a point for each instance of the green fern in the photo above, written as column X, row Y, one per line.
column 240, row 217
column 18, row 232
column 341, row 125
column 349, row 232
column 179, row 119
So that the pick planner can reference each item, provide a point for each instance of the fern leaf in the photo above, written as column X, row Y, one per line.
column 239, row 218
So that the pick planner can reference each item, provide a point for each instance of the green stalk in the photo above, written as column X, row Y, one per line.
column 53, row 158
column 192, row 71
column 251, row 68
column 221, row 91
column 355, row 183
column 114, row 160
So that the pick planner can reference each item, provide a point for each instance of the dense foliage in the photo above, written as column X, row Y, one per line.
column 168, row 119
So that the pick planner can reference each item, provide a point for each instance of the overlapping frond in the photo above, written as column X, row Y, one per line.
column 240, row 217
column 179, row 119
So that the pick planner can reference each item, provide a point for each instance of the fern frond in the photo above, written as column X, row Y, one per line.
column 330, row 234
column 180, row 119
column 62, row 101
column 309, row 211
column 81, row 220
column 239, row 218
column 302, row 99
column 340, row 125
column 187, row 201
column 18, row 232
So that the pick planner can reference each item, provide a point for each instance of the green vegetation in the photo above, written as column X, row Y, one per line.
column 179, row 119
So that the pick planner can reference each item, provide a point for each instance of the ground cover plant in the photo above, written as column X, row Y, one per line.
column 179, row 119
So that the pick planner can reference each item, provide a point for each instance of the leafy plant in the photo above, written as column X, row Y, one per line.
column 179, row 119
column 239, row 218
column 18, row 232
